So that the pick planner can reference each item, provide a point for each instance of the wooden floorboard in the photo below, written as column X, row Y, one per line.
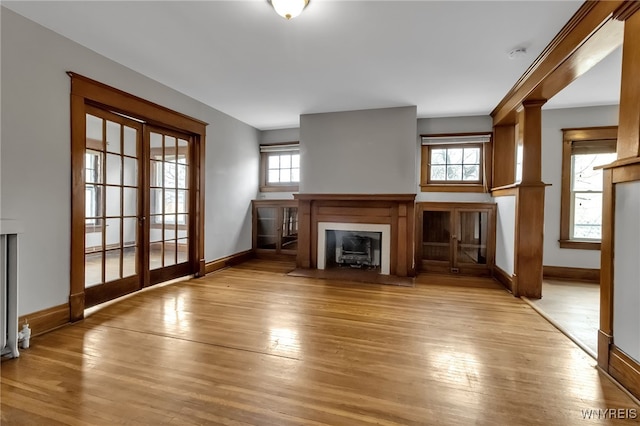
column 250, row 345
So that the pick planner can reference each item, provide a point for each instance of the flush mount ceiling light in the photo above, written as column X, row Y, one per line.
column 517, row 53
column 288, row 8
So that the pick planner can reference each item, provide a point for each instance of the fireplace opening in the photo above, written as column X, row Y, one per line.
column 353, row 249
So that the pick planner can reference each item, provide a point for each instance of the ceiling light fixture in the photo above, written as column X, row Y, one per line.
column 517, row 53
column 288, row 8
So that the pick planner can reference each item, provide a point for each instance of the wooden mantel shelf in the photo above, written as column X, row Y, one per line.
column 355, row 197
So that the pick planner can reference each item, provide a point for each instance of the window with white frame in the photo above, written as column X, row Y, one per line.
column 280, row 167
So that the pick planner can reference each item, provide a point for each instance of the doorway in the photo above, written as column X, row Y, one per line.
column 137, row 199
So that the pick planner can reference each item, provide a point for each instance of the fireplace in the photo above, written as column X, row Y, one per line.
column 354, row 245
column 379, row 231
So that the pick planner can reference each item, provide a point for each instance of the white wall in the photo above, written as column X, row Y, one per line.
column 505, row 233
column 360, row 152
column 431, row 126
column 626, row 269
column 35, row 161
column 553, row 121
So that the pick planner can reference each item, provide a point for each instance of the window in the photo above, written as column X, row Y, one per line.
column 93, row 189
column 280, row 167
column 581, row 207
column 168, row 176
column 454, row 162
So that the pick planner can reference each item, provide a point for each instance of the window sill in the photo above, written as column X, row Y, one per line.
column 452, row 188
column 283, row 188
column 580, row 245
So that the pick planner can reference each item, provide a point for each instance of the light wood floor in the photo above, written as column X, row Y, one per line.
column 251, row 345
column 574, row 308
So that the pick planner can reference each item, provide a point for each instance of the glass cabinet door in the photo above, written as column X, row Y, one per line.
column 436, row 235
column 267, row 228
column 289, row 228
column 472, row 237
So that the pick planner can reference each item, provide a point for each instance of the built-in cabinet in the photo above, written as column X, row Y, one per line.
column 455, row 237
column 275, row 226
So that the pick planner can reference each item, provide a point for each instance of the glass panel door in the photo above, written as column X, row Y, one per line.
column 436, row 238
column 472, row 237
column 112, row 205
column 169, row 204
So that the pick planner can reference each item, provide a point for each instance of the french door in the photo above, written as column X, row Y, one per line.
column 137, row 205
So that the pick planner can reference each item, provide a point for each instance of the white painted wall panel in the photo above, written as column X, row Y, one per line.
column 626, row 270
column 505, row 233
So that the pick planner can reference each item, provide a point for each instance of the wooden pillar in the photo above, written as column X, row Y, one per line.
column 529, row 234
column 629, row 120
column 504, row 155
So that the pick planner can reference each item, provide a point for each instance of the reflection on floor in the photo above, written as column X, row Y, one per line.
column 574, row 308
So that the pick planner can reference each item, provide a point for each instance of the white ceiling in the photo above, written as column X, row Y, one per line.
column 447, row 57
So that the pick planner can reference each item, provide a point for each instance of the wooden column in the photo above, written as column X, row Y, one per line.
column 504, row 155
column 629, row 119
column 529, row 235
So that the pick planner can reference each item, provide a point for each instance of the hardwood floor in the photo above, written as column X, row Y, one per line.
column 251, row 345
column 574, row 308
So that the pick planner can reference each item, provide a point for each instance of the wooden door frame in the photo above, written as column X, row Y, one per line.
column 85, row 91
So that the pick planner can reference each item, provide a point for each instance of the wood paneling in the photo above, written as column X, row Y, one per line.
column 529, row 239
column 46, row 320
column 629, row 119
column 395, row 210
column 606, row 270
column 226, row 262
column 529, row 136
column 625, row 370
column 504, row 155
column 572, row 274
column 250, row 345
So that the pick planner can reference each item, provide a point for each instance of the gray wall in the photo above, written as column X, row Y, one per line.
column 35, row 155
column 553, row 121
column 361, row 152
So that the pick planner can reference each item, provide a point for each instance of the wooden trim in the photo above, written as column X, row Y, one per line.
column 590, row 35
column 232, row 260
column 87, row 94
column 452, row 188
column 502, row 277
column 46, row 320
column 626, row 10
column 355, row 197
column 606, row 267
column 580, row 245
column 627, row 173
column 275, row 187
column 573, row 274
column 132, row 105
column 604, row 343
column 625, row 370
column 589, row 133
column 568, row 137
column 504, row 155
column 529, row 239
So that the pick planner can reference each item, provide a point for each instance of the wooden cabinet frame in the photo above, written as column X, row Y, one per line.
column 452, row 264
column 280, row 245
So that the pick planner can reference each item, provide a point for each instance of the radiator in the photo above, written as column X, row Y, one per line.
column 9, row 294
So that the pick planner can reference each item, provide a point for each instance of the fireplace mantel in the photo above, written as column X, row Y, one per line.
column 396, row 210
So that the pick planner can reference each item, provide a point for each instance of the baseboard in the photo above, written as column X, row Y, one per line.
column 225, row 262
column 625, row 370
column 502, row 277
column 573, row 274
column 46, row 320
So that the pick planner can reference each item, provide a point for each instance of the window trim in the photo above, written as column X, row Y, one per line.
column 568, row 137
column 460, row 140
column 266, row 151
